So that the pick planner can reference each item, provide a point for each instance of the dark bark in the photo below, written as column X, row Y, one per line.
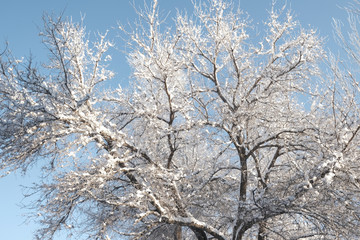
column 261, row 233
column 200, row 234
column 178, row 233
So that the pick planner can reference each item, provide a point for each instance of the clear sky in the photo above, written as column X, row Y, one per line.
column 20, row 21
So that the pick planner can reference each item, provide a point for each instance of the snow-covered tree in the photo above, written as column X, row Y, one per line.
column 224, row 132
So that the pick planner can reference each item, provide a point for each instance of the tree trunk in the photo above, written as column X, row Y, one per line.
column 261, row 233
column 200, row 234
column 177, row 233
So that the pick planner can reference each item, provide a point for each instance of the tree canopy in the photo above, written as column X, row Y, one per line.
column 223, row 133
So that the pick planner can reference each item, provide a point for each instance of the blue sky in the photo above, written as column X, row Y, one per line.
column 20, row 21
